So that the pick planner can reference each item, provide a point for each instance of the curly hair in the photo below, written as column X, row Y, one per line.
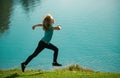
column 47, row 22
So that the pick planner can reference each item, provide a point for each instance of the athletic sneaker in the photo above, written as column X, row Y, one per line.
column 23, row 67
column 56, row 64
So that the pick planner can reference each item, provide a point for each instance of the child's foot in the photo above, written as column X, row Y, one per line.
column 23, row 67
column 56, row 64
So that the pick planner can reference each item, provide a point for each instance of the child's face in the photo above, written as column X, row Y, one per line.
column 52, row 20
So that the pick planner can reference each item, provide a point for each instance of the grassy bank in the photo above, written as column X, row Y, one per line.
column 72, row 71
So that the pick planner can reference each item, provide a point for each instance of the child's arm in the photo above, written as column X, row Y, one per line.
column 37, row 25
column 57, row 27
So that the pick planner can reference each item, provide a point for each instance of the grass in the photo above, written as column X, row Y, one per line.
column 72, row 71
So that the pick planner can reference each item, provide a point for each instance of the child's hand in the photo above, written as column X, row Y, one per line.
column 59, row 27
column 33, row 27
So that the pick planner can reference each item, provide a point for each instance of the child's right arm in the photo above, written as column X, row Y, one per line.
column 37, row 25
column 58, row 27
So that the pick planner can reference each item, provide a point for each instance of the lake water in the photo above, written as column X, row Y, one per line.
column 90, row 34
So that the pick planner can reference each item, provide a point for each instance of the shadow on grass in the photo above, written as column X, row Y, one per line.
column 14, row 75
column 35, row 74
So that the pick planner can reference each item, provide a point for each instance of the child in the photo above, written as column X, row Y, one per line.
column 48, row 21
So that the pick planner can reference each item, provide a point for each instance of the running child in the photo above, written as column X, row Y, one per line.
column 48, row 28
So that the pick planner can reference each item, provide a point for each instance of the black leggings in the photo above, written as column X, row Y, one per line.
column 42, row 45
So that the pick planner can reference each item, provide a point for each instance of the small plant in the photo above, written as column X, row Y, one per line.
column 76, row 67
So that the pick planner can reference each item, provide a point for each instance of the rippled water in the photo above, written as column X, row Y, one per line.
column 90, row 33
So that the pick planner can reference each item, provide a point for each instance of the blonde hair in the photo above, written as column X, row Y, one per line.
column 47, row 22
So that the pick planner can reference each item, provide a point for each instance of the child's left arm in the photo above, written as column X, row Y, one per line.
column 33, row 27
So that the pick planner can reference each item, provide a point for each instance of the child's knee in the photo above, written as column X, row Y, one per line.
column 57, row 49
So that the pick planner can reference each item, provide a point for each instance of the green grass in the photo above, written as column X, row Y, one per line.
column 72, row 71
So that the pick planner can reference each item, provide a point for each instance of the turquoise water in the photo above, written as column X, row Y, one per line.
column 90, row 33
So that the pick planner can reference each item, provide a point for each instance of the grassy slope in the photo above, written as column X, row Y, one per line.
column 72, row 71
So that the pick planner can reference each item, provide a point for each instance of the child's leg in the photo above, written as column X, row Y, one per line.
column 36, row 52
column 55, row 49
